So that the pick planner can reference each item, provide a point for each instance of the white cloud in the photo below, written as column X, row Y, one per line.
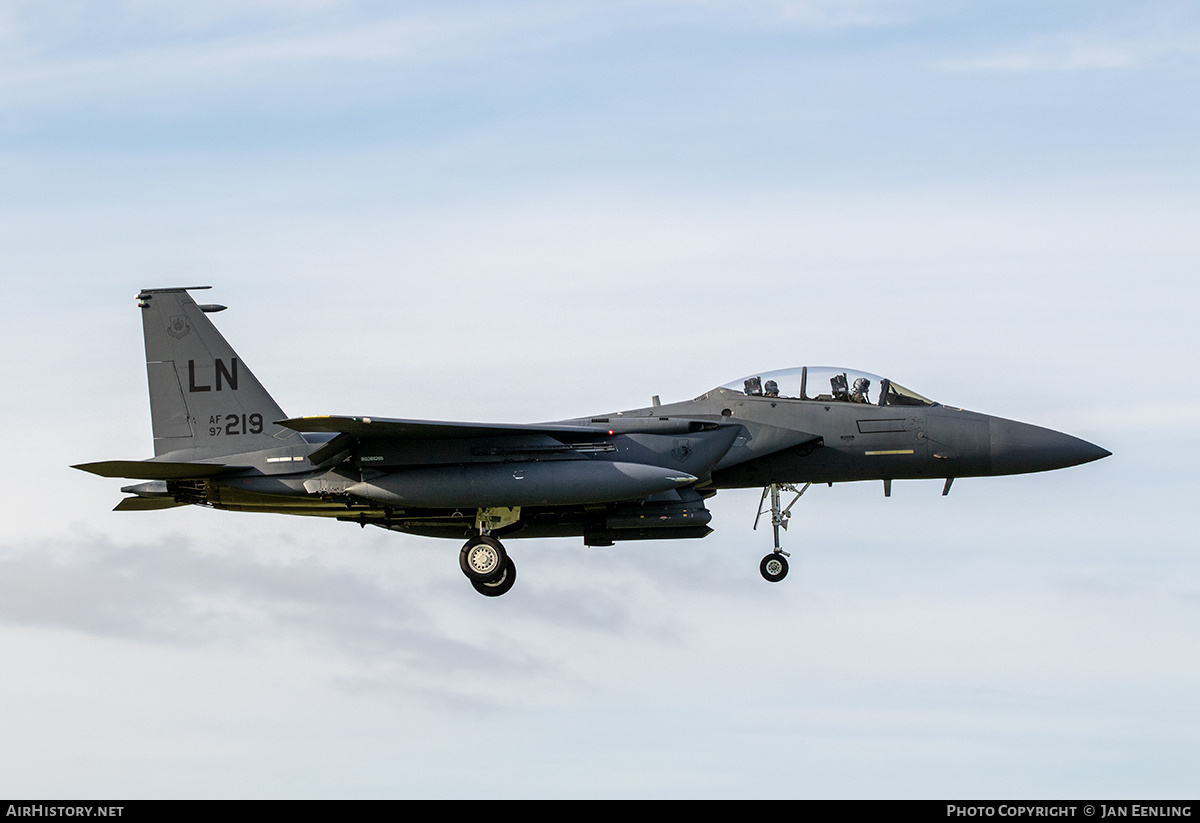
column 89, row 53
column 1081, row 51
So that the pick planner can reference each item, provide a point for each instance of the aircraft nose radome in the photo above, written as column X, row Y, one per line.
column 1018, row 448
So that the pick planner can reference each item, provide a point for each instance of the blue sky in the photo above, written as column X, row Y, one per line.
column 527, row 211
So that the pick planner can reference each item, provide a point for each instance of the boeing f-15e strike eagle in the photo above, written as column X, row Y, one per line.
column 221, row 441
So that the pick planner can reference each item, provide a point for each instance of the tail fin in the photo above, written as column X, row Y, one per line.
column 203, row 399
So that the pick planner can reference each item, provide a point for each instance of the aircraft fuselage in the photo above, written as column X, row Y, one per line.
column 221, row 440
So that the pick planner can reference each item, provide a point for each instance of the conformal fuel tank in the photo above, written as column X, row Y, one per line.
column 550, row 483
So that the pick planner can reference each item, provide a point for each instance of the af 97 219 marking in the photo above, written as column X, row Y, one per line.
column 233, row 424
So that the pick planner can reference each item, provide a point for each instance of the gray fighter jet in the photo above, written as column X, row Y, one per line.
column 221, row 441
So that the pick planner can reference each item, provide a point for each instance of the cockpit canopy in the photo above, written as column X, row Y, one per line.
column 829, row 384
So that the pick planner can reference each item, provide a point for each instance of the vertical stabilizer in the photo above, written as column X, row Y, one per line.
column 203, row 398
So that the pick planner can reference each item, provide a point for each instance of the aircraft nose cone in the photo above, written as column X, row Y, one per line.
column 1018, row 448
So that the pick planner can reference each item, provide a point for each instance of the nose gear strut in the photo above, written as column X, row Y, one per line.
column 774, row 567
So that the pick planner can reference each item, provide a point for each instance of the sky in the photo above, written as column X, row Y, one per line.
column 528, row 211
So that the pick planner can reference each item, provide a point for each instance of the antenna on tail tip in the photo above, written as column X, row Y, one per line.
column 144, row 296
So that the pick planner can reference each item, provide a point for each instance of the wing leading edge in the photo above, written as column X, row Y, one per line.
column 387, row 428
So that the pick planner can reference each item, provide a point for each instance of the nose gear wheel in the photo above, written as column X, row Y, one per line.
column 774, row 567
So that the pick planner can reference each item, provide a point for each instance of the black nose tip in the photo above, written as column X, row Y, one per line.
column 1019, row 447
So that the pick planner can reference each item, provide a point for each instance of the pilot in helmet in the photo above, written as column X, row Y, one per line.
column 861, row 386
column 771, row 389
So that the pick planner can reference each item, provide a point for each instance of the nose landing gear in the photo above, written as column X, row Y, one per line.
column 774, row 567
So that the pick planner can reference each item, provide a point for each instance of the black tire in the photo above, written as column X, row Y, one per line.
column 501, row 586
column 774, row 567
column 482, row 559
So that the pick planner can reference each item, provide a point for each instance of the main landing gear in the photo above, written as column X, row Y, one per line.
column 483, row 559
column 774, row 567
column 487, row 565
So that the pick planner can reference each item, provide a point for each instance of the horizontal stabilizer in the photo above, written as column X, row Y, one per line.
column 145, row 504
column 362, row 427
column 152, row 470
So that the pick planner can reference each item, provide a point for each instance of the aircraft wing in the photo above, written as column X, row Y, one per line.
column 379, row 427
